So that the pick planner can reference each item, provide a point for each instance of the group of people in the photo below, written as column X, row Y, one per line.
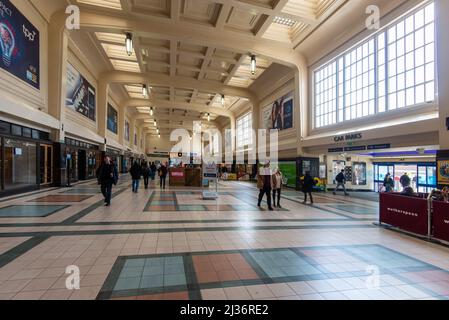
column 270, row 183
column 405, row 181
column 107, row 176
column 147, row 171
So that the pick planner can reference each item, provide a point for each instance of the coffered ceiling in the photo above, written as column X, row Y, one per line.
column 184, row 68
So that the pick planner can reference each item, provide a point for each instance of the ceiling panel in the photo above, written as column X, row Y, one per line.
column 152, row 7
column 200, row 11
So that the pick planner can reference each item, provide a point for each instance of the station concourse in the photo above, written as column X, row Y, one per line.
column 213, row 104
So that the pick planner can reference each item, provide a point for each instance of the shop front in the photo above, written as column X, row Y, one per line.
column 116, row 157
column 26, row 159
column 83, row 159
column 422, row 175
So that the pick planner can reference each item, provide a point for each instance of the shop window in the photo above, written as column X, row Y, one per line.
column 20, row 164
column 5, row 128
column 16, row 130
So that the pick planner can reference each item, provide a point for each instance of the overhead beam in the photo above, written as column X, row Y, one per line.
column 177, row 105
column 156, row 79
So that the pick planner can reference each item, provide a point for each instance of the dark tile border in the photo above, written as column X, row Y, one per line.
column 12, row 254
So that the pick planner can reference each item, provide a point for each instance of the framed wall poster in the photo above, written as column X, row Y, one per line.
column 279, row 114
column 127, row 130
column 359, row 173
column 443, row 172
column 80, row 95
column 19, row 44
column 112, row 119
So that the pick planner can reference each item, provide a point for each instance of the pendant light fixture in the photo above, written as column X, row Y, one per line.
column 151, row 111
column 129, row 44
column 145, row 90
column 223, row 100
column 253, row 65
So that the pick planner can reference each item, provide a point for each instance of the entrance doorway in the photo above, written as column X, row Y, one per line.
column 422, row 175
column 46, row 164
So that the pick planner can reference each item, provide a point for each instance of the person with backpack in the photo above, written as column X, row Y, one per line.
column 341, row 182
column 136, row 174
column 307, row 187
column 107, row 175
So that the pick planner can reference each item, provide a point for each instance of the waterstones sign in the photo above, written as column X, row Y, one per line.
column 348, row 137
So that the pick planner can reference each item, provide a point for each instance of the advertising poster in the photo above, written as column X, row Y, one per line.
column 80, row 94
column 112, row 119
column 443, row 172
column 359, row 173
column 126, row 130
column 19, row 44
column 279, row 115
column 288, row 169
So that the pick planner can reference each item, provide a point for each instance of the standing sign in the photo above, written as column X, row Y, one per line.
column 210, row 173
column 19, row 44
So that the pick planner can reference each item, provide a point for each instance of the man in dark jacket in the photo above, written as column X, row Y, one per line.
column 163, row 171
column 341, row 182
column 307, row 187
column 107, row 175
column 136, row 174
column 146, row 174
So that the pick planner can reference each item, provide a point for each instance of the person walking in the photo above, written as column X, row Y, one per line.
column 163, row 171
column 107, row 175
column 341, row 182
column 136, row 174
column 265, row 185
column 153, row 170
column 277, row 188
column 146, row 174
column 388, row 183
column 307, row 187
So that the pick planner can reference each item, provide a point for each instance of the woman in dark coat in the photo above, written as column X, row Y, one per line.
column 307, row 187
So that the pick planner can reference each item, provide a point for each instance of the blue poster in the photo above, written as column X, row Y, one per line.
column 112, row 119
column 19, row 44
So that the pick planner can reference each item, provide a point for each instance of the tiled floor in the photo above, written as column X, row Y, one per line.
column 173, row 245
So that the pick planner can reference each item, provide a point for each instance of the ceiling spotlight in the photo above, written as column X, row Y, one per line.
column 129, row 44
column 223, row 100
column 145, row 90
column 253, row 65
column 151, row 111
